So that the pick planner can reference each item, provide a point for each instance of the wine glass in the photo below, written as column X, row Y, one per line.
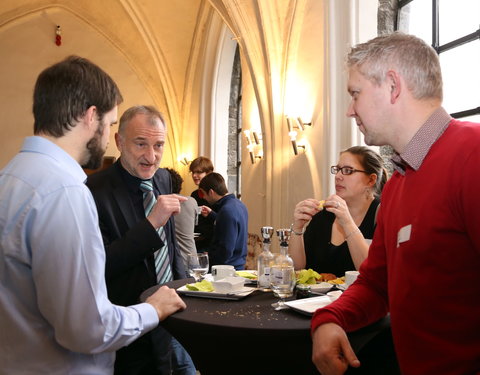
column 198, row 266
column 282, row 281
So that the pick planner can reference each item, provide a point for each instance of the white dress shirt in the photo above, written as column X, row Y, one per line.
column 55, row 315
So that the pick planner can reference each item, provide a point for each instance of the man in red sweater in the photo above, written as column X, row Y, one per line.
column 424, row 261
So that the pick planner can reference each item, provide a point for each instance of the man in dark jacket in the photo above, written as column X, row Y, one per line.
column 140, row 244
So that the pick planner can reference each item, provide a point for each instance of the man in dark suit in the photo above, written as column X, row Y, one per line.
column 132, row 235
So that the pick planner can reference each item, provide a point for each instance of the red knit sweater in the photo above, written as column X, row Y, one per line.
column 430, row 282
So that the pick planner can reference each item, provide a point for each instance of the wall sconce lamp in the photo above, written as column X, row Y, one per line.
column 300, row 124
column 250, row 151
column 184, row 160
column 293, row 138
column 253, row 145
column 302, row 146
column 296, row 123
column 256, row 138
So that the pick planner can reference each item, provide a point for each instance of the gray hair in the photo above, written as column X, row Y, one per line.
column 150, row 111
column 416, row 61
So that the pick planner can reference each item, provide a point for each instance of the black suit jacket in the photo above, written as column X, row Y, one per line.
column 129, row 242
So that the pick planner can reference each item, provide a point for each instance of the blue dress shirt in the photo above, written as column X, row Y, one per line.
column 55, row 315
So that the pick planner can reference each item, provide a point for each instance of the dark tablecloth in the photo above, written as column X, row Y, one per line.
column 248, row 336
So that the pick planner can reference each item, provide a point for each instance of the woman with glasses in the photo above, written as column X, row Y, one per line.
column 335, row 239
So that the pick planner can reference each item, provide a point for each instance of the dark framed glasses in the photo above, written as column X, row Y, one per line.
column 334, row 169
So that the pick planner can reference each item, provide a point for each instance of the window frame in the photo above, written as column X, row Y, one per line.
column 445, row 47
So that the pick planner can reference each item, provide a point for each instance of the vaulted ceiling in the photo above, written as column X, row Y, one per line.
column 158, row 38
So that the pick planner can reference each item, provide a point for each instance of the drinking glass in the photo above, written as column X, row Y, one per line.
column 282, row 281
column 198, row 266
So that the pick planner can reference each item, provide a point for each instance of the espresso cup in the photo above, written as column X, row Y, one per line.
column 350, row 277
column 222, row 271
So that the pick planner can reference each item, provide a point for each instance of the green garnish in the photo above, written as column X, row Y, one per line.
column 202, row 286
column 246, row 275
column 307, row 277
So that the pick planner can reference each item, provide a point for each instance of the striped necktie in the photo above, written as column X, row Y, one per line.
column 162, row 260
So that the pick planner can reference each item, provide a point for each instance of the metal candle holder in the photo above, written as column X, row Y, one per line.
column 267, row 233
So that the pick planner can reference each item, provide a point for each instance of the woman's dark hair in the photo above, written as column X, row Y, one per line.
column 372, row 163
column 177, row 180
column 201, row 164
column 215, row 182
column 64, row 91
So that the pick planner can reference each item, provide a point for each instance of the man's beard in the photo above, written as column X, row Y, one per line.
column 94, row 149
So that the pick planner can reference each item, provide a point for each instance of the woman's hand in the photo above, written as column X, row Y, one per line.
column 303, row 213
column 339, row 207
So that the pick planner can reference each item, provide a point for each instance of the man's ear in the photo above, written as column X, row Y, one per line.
column 395, row 85
column 90, row 116
column 118, row 141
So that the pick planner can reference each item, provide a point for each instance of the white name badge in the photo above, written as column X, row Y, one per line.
column 404, row 234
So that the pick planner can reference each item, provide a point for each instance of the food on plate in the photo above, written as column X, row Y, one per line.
column 308, row 277
column 312, row 277
column 327, row 276
column 247, row 275
column 201, row 286
column 320, row 205
column 338, row 280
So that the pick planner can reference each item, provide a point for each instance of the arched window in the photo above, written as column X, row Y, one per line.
column 235, row 129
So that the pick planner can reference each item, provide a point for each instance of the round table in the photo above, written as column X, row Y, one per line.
column 248, row 336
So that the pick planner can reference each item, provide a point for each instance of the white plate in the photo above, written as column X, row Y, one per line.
column 322, row 287
column 236, row 295
column 309, row 305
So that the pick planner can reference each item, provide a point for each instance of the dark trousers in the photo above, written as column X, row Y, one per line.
column 149, row 355
column 377, row 357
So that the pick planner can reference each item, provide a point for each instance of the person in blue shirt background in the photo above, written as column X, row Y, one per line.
column 229, row 244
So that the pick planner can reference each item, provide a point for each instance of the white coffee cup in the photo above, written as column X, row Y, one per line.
column 350, row 277
column 222, row 271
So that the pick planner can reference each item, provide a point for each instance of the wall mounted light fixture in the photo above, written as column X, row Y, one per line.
column 296, row 123
column 254, row 145
column 184, row 160
column 300, row 124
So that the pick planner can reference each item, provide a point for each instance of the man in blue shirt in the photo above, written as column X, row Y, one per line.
column 54, row 310
column 229, row 244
